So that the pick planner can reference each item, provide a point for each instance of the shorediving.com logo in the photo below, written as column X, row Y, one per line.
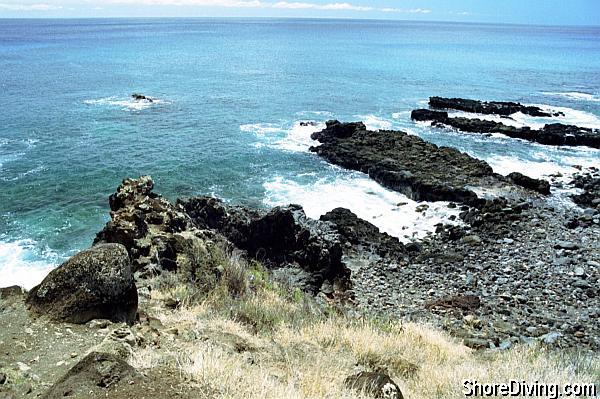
column 515, row 388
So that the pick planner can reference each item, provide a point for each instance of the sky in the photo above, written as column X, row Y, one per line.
column 539, row 12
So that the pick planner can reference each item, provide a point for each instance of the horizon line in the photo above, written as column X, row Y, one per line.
column 301, row 18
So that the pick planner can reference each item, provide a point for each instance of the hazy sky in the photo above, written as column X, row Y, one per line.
column 551, row 12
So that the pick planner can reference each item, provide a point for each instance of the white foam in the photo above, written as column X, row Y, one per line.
column 261, row 129
column 574, row 95
column 400, row 115
column 366, row 198
column 373, row 122
column 535, row 168
column 294, row 138
column 128, row 104
column 19, row 266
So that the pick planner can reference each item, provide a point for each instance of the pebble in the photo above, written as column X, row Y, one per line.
column 472, row 239
column 581, row 284
column 504, row 345
column 566, row 245
column 579, row 271
column 23, row 367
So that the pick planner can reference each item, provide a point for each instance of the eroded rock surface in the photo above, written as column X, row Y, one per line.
column 279, row 237
column 504, row 108
column 406, row 163
column 94, row 284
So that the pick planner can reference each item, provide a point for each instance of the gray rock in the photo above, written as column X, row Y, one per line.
column 551, row 337
column 566, row 245
column 579, row 271
column 581, row 284
column 376, row 385
column 472, row 239
column 504, row 345
column 94, row 284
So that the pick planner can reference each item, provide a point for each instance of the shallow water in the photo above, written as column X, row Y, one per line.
column 230, row 96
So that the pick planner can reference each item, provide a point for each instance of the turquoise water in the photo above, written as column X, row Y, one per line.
column 230, row 94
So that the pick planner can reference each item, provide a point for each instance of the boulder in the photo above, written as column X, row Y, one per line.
column 11, row 292
column 94, row 284
column 373, row 384
column 539, row 185
column 149, row 227
column 362, row 235
column 589, row 184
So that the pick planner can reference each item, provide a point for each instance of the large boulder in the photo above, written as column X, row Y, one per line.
column 94, row 284
column 149, row 226
column 589, row 184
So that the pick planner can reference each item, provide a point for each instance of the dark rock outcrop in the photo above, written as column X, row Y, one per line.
column 186, row 236
column 374, row 384
column 157, row 234
column 94, row 373
column 589, row 183
column 94, row 284
column 539, row 185
column 14, row 291
column 406, row 163
column 488, row 107
column 283, row 236
column 362, row 235
column 141, row 97
column 550, row 134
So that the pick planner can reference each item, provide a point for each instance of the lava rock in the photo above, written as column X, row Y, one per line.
column 94, row 284
column 503, row 108
column 141, row 97
column 362, row 234
column 539, row 185
column 550, row 134
column 279, row 237
column 405, row 163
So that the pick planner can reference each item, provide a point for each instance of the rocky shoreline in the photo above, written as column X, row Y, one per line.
column 527, row 275
column 517, row 270
column 550, row 134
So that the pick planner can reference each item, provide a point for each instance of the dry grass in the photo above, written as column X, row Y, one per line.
column 253, row 338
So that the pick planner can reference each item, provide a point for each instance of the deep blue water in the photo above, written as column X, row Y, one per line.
column 230, row 94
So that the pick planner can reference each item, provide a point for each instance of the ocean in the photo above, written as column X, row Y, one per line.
column 229, row 98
